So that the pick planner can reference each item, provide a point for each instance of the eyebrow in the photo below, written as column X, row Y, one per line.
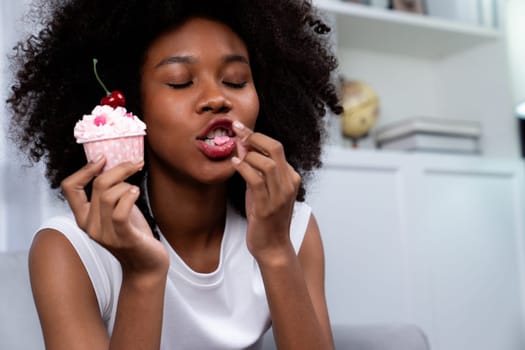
column 236, row 58
column 191, row 60
column 176, row 59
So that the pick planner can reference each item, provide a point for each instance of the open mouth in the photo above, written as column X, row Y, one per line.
column 218, row 140
column 218, row 136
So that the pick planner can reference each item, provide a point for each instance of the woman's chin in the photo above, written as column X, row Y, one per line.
column 217, row 173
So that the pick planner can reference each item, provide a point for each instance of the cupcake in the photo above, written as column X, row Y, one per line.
column 113, row 132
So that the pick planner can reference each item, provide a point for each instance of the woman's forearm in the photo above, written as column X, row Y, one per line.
column 295, row 323
column 138, row 323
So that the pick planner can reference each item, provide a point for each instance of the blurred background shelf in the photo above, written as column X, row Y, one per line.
column 396, row 32
column 429, row 66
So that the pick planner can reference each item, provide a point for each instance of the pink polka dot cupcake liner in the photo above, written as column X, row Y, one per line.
column 116, row 150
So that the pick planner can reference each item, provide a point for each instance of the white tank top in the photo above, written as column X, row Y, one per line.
column 224, row 309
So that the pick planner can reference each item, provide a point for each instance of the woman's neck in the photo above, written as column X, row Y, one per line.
column 189, row 215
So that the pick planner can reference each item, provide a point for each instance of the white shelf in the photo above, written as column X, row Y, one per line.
column 340, row 157
column 372, row 28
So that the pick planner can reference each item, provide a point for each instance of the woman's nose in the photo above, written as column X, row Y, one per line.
column 213, row 100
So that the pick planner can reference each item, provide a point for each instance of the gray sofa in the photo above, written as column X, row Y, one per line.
column 20, row 330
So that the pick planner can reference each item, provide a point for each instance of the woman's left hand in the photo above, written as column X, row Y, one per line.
column 271, row 190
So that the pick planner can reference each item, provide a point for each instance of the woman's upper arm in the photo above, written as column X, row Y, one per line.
column 64, row 296
column 311, row 257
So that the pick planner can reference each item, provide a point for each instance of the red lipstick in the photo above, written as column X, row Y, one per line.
column 217, row 140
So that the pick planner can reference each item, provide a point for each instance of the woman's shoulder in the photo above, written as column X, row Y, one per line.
column 66, row 226
column 52, row 254
column 60, row 280
column 71, row 234
column 63, row 222
column 59, row 245
column 63, row 232
column 56, row 236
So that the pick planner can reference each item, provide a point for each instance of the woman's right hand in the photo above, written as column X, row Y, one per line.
column 113, row 220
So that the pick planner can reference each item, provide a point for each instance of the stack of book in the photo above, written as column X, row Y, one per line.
column 430, row 135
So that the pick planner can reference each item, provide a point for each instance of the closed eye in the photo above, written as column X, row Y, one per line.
column 180, row 86
column 235, row 85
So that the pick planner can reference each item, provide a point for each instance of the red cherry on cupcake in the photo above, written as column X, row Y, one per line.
column 114, row 98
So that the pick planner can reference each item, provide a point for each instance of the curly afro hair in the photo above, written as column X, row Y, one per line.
column 55, row 84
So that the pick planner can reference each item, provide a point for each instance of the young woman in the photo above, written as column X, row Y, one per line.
column 198, row 247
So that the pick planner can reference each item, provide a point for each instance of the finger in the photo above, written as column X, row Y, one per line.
column 268, row 169
column 122, row 212
column 115, row 175
column 242, row 133
column 274, row 167
column 241, row 130
column 254, row 180
column 111, row 178
column 257, row 141
column 242, row 150
column 109, row 199
column 295, row 177
column 282, row 182
column 73, row 188
column 244, row 143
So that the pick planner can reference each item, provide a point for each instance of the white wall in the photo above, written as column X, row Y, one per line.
column 396, row 79
column 21, row 187
column 516, row 46
column 480, row 90
column 3, row 236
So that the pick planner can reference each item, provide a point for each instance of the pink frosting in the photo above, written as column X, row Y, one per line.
column 106, row 122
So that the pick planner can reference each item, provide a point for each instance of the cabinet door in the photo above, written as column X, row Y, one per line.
column 435, row 241
column 469, row 228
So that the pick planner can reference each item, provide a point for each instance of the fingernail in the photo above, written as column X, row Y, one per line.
column 238, row 125
column 236, row 160
column 139, row 163
column 134, row 190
